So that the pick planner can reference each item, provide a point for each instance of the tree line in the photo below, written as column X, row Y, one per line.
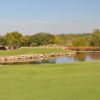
column 39, row 39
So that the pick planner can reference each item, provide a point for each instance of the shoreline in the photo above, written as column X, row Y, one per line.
column 87, row 51
column 32, row 57
column 36, row 57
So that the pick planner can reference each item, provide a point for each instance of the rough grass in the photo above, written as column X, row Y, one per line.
column 30, row 51
column 69, row 81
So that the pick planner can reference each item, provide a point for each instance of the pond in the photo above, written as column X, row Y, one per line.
column 78, row 57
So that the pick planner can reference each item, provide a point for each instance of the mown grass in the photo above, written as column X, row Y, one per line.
column 69, row 81
column 30, row 51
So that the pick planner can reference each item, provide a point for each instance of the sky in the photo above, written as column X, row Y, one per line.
column 29, row 17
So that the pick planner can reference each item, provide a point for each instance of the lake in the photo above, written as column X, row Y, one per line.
column 78, row 57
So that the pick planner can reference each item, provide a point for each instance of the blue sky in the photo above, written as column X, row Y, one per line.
column 53, row 16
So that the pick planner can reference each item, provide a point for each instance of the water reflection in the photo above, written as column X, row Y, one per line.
column 80, row 56
column 95, row 56
column 31, row 62
column 66, row 59
column 87, row 56
column 46, row 61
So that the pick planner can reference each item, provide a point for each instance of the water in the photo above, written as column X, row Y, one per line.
column 78, row 57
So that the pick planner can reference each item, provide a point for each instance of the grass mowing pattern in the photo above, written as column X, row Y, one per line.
column 30, row 51
column 69, row 81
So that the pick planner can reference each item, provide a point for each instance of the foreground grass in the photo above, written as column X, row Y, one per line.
column 70, row 81
column 30, row 51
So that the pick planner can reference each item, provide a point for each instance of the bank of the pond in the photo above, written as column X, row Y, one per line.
column 32, row 57
column 68, row 81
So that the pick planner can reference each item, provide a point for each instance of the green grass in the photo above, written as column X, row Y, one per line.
column 69, row 81
column 30, row 51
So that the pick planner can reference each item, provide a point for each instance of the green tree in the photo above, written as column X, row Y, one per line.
column 13, row 38
column 95, row 39
column 3, row 41
column 41, row 39
column 80, row 42
column 24, row 40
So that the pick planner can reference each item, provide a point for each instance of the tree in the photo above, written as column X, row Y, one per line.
column 41, row 39
column 57, row 39
column 95, row 39
column 24, row 40
column 13, row 38
column 80, row 42
column 69, row 43
column 3, row 41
